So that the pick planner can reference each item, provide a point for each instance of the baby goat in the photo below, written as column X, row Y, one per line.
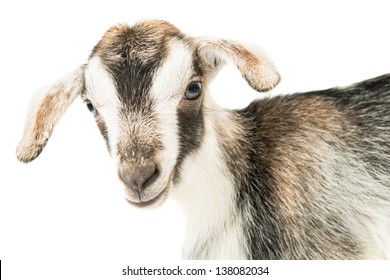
column 303, row 176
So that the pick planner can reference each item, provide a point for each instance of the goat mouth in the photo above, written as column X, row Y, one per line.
column 157, row 200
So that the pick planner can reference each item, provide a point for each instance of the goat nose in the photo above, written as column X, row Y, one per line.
column 139, row 178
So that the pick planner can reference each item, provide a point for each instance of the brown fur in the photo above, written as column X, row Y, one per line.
column 43, row 119
column 132, row 39
column 257, row 70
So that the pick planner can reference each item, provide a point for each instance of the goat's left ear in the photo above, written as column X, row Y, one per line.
column 45, row 109
column 254, row 65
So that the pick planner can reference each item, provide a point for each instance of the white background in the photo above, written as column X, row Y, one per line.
column 64, row 213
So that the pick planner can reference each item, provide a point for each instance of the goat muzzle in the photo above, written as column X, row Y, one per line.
column 138, row 178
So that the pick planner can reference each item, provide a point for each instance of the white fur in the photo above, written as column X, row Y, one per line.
column 203, row 176
column 102, row 93
column 202, row 173
column 174, row 75
column 207, row 194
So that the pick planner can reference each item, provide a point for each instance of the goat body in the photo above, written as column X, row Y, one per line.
column 308, row 178
column 301, row 176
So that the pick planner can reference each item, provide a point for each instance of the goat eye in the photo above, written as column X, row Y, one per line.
column 193, row 90
column 90, row 107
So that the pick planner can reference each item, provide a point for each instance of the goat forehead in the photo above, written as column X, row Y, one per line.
column 141, row 41
column 133, row 55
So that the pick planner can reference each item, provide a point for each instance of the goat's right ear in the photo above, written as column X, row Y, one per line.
column 254, row 65
column 45, row 109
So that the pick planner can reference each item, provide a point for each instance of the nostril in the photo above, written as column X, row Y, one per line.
column 151, row 176
column 147, row 176
column 139, row 178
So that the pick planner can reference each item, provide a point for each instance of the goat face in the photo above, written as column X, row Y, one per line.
column 146, row 87
column 143, row 85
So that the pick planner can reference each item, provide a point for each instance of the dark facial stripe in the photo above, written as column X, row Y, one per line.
column 191, row 131
column 132, row 56
column 103, row 130
column 190, row 123
column 197, row 64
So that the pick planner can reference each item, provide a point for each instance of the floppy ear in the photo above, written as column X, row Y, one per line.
column 254, row 65
column 45, row 109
